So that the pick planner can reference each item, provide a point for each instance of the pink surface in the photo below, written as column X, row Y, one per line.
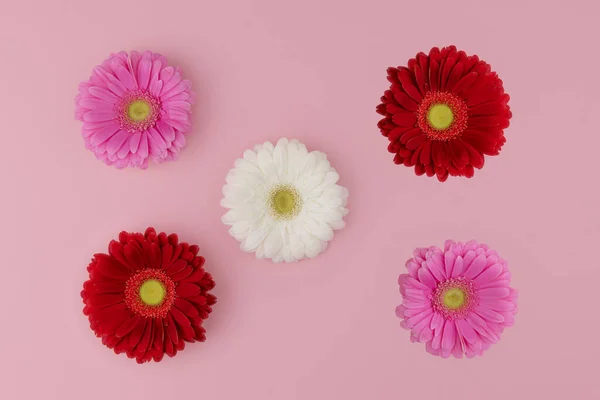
column 314, row 70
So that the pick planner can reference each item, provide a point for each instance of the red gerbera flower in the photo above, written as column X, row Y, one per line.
column 148, row 296
column 444, row 112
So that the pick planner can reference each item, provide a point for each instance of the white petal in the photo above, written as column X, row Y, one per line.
column 273, row 243
column 319, row 229
column 254, row 239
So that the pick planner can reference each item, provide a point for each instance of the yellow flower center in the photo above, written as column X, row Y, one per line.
column 139, row 110
column 284, row 202
column 440, row 116
column 454, row 298
column 152, row 292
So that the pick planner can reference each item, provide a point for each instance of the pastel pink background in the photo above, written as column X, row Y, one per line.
column 314, row 70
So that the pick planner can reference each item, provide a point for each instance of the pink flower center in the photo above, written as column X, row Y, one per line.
column 137, row 111
column 442, row 116
column 150, row 293
column 455, row 298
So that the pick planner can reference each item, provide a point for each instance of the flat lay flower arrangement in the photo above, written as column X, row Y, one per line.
column 443, row 114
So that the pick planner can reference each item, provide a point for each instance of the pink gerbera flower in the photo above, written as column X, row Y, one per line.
column 457, row 301
column 134, row 107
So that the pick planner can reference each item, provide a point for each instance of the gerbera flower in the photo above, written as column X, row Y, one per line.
column 443, row 113
column 457, row 301
column 284, row 201
column 148, row 296
column 134, row 107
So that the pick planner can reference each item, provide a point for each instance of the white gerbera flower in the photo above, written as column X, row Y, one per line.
column 283, row 201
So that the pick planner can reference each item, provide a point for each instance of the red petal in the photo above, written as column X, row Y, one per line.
column 109, row 267
column 105, row 300
column 133, row 255
column 194, row 249
column 144, row 344
column 173, row 239
column 186, row 289
column 171, row 329
column 136, row 334
column 412, row 133
column 475, row 157
column 176, row 267
column 162, row 239
column 460, row 156
column 186, row 307
column 128, row 326
column 150, row 232
column 183, row 274
column 201, row 300
column 486, row 142
column 448, row 65
column 155, row 256
column 426, row 153
column 455, row 77
column 420, row 79
column 196, row 276
column 408, row 84
column 116, row 250
column 415, row 142
column 108, row 287
column 442, row 174
column 406, row 101
column 159, row 334
column 434, row 76
column 167, row 253
column 439, row 153
column 183, row 323
column 465, row 82
column 405, row 119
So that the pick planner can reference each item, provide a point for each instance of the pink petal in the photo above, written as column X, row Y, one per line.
column 468, row 258
column 143, row 146
column 92, row 103
column 173, row 82
column 177, row 115
column 497, row 304
column 413, row 268
column 179, row 138
column 98, row 116
column 135, row 142
column 458, row 267
column 448, row 244
column 436, row 270
column 104, row 134
column 426, row 278
column 449, row 258
column 158, row 139
column 115, row 142
column 124, row 149
column 103, row 94
column 143, row 73
column 476, row 267
column 494, row 292
column 417, row 319
column 178, row 104
column 489, row 274
column 410, row 312
column 437, row 322
column 166, row 131
column 125, row 77
column 182, row 86
column 466, row 331
column 489, row 315
column 165, row 75
column 449, row 335
column 400, row 311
